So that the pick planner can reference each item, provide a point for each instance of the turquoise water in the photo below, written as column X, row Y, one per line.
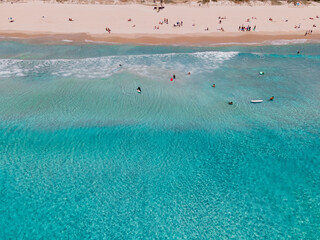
column 84, row 156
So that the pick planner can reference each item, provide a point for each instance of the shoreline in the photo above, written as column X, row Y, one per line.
column 223, row 39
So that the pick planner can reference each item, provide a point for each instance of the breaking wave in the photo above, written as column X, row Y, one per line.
column 102, row 67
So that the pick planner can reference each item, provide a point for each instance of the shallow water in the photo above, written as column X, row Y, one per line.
column 83, row 155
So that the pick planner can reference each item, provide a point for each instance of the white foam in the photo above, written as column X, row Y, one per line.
column 288, row 42
column 236, row 44
column 101, row 67
column 8, row 37
column 95, row 42
column 66, row 40
column 215, row 56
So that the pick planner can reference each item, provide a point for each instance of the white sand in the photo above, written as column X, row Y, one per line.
column 93, row 19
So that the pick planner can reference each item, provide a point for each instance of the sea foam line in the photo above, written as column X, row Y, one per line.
column 109, row 65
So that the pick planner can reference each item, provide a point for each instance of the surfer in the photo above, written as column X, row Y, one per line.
column 139, row 90
column 174, row 76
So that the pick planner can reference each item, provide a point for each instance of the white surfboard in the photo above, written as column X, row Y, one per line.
column 256, row 101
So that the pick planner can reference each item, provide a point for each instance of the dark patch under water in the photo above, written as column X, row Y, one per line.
column 84, row 156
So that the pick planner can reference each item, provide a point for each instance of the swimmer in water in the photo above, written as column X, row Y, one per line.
column 139, row 90
column 230, row 103
column 298, row 52
column 189, row 73
column 213, row 85
column 271, row 99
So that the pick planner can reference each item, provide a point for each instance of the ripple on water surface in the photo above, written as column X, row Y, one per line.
column 83, row 155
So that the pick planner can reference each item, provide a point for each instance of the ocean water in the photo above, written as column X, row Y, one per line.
column 84, row 156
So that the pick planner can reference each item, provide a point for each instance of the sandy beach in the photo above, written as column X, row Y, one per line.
column 175, row 24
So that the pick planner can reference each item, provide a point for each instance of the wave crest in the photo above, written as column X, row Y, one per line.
column 101, row 67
